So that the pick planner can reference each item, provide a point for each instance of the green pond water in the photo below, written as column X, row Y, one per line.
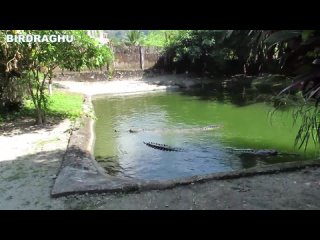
column 243, row 125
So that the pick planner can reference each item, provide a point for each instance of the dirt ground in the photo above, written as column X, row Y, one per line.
column 31, row 156
column 295, row 190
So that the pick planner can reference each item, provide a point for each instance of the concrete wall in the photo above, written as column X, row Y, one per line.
column 135, row 57
column 129, row 62
column 151, row 56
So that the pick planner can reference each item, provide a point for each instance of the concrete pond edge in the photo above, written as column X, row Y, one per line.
column 80, row 173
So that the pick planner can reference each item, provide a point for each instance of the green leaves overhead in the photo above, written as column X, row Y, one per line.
column 282, row 36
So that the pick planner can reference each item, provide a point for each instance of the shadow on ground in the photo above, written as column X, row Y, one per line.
column 25, row 182
column 26, row 125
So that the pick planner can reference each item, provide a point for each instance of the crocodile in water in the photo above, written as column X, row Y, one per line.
column 163, row 147
column 265, row 152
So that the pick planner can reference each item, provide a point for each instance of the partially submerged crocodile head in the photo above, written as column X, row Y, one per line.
column 135, row 130
column 271, row 152
column 210, row 127
column 267, row 152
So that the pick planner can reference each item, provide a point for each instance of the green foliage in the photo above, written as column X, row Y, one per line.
column 206, row 50
column 115, row 41
column 161, row 38
column 155, row 38
column 230, row 51
column 309, row 127
column 11, row 88
column 135, row 37
column 298, row 51
column 84, row 52
column 60, row 105
column 282, row 36
column 35, row 62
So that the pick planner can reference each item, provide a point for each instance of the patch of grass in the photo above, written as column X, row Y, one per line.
column 65, row 105
column 61, row 105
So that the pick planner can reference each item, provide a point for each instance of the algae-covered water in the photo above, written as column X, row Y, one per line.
column 242, row 125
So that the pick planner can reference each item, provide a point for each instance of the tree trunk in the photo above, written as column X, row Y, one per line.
column 50, row 87
column 39, row 119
